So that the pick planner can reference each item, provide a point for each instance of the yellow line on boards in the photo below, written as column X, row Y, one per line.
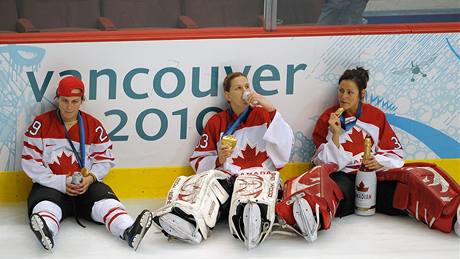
column 154, row 182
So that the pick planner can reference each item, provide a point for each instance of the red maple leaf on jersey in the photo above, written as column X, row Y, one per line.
column 355, row 143
column 65, row 165
column 250, row 158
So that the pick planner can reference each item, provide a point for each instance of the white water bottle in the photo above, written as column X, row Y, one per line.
column 365, row 185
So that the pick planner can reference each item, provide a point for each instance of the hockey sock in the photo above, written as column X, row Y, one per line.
column 113, row 214
column 51, row 213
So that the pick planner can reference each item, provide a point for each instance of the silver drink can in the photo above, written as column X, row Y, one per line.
column 245, row 97
column 77, row 178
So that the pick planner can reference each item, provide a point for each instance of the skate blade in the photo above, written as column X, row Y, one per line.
column 38, row 225
column 305, row 219
column 252, row 225
column 146, row 223
column 179, row 228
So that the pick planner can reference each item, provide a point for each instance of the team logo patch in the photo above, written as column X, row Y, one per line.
column 64, row 163
column 249, row 185
column 191, row 188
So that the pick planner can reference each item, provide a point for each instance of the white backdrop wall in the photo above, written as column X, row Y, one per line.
column 153, row 96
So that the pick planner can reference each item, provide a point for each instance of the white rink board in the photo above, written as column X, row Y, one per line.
column 149, row 94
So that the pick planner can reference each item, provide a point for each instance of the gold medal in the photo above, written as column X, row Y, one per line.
column 229, row 140
column 84, row 172
column 339, row 111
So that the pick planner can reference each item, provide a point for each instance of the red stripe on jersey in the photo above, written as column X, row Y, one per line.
column 193, row 159
column 28, row 157
column 97, row 153
column 198, row 160
column 33, row 147
column 108, row 213
column 52, row 128
column 389, row 151
column 114, row 217
column 104, row 158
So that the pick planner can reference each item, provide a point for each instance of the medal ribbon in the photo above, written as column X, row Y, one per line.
column 81, row 126
column 346, row 125
column 233, row 126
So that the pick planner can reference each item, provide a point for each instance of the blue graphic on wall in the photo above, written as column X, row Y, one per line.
column 441, row 144
column 14, row 99
column 303, row 148
column 456, row 53
column 414, row 79
column 415, row 69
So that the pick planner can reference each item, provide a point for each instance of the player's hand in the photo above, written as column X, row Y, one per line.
column 372, row 164
column 71, row 189
column 224, row 152
column 84, row 185
column 81, row 188
column 334, row 123
column 255, row 99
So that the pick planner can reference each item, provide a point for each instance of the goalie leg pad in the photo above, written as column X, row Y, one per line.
column 252, row 208
column 427, row 192
column 192, row 206
column 316, row 190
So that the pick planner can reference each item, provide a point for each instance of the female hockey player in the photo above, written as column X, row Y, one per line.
column 249, row 140
column 422, row 190
column 67, row 153
column 339, row 140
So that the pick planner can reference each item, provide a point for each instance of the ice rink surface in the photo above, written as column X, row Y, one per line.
column 379, row 236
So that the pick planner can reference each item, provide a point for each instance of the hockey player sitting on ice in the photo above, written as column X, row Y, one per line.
column 67, row 153
column 248, row 141
column 311, row 200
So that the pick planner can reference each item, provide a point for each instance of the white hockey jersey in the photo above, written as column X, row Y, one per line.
column 47, row 157
column 263, row 140
column 386, row 147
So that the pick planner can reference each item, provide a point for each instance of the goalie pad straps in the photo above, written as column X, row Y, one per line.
column 427, row 192
column 319, row 191
column 192, row 206
column 252, row 208
column 252, row 224
column 173, row 225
